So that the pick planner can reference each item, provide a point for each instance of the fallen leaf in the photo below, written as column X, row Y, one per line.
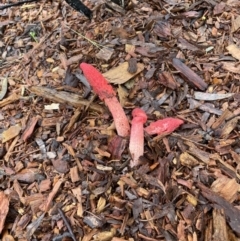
column 120, row 74
column 235, row 24
column 234, row 50
column 122, row 94
column 10, row 133
column 101, row 204
column 231, row 67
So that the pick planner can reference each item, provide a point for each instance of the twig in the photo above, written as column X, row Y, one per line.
column 89, row 40
column 67, row 224
column 75, row 4
column 17, row 4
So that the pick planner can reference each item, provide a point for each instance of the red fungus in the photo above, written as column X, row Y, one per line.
column 136, row 145
column 164, row 126
column 107, row 94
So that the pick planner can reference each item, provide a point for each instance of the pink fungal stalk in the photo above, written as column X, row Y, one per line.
column 106, row 93
column 164, row 126
column 136, row 145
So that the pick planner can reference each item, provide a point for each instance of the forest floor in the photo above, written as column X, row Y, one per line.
column 65, row 174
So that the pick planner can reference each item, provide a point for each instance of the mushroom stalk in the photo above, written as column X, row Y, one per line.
column 136, row 145
column 107, row 94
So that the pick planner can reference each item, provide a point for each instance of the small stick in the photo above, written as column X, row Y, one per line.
column 17, row 4
column 67, row 224
column 76, row 4
column 191, row 76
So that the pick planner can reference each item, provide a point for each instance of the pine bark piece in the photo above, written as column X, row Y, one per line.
column 191, row 76
column 166, row 79
column 64, row 97
column 74, row 174
column 4, row 207
column 219, row 225
column 232, row 213
column 10, row 99
column 117, row 146
column 132, row 66
column 30, row 128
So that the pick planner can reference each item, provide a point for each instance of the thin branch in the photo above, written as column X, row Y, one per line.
column 76, row 4
column 17, row 4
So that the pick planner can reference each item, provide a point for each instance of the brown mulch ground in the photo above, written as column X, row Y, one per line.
column 65, row 174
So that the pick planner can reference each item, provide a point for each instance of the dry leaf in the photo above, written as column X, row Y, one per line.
column 122, row 95
column 10, row 133
column 101, row 204
column 235, row 24
column 231, row 67
column 234, row 50
column 191, row 199
column 120, row 74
